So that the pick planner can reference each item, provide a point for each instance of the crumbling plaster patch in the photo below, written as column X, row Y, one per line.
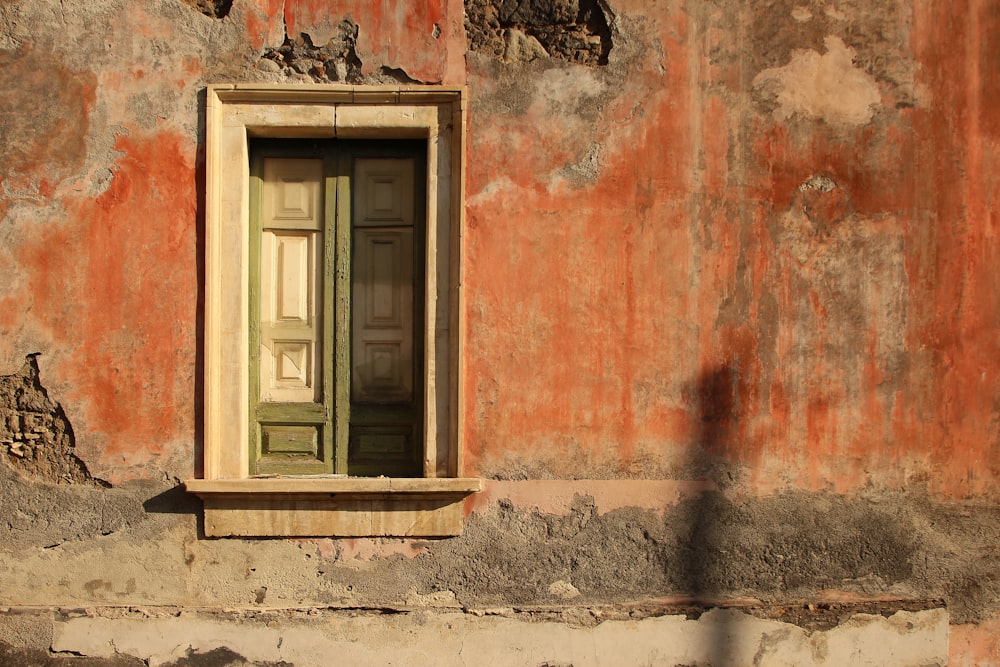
column 335, row 60
column 821, row 86
column 213, row 8
column 385, row 44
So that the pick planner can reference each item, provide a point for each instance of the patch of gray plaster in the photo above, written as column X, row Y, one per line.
column 41, row 657
column 39, row 514
column 786, row 547
column 778, row 550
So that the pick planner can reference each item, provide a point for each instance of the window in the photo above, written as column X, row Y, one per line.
column 336, row 260
column 332, row 374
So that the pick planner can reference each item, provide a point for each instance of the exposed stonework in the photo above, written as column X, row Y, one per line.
column 337, row 60
column 35, row 435
column 516, row 30
column 214, row 8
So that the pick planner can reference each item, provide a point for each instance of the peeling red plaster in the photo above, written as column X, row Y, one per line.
column 606, row 326
column 390, row 34
column 120, row 274
column 975, row 643
column 265, row 23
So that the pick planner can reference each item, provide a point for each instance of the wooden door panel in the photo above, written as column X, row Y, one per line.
column 384, row 419
column 336, row 303
column 382, row 306
column 290, row 326
column 293, row 193
column 290, row 364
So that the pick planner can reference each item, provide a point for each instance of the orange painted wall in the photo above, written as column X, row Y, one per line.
column 653, row 288
column 697, row 306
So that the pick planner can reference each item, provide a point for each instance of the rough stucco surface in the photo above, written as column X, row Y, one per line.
column 749, row 247
column 724, row 310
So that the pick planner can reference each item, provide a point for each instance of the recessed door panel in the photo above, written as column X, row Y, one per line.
column 383, row 316
column 291, row 280
column 386, row 192
column 336, row 307
column 293, row 193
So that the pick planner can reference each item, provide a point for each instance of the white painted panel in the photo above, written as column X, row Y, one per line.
column 290, row 281
column 294, row 277
column 293, row 193
column 292, row 364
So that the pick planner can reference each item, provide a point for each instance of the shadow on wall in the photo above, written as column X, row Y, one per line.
column 715, row 409
column 177, row 500
column 198, row 448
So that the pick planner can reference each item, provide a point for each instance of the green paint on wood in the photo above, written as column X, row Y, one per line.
column 332, row 435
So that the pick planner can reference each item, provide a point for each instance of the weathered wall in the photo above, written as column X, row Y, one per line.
column 792, row 278
column 731, row 305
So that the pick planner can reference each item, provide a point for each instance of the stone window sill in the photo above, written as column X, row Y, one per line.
column 330, row 506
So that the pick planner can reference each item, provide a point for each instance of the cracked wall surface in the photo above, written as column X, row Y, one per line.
column 729, row 335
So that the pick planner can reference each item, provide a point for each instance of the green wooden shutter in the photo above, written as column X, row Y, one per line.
column 336, row 308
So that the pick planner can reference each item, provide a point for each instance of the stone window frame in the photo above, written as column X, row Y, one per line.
column 237, row 504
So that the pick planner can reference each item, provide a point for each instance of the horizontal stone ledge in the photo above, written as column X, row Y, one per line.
column 674, row 605
column 331, row 506
column 322, row 484
column 338, row 93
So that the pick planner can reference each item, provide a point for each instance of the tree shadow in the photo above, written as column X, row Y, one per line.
column 715, row 399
